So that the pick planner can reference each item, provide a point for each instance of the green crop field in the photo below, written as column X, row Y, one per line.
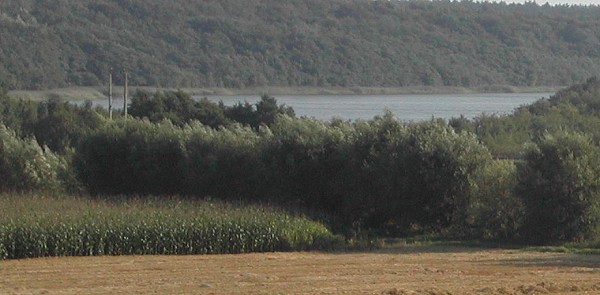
column 38, row 226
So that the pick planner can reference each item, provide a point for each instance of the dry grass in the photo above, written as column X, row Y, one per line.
column 405, row 270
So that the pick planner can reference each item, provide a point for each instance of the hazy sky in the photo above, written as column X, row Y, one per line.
column 596, row 2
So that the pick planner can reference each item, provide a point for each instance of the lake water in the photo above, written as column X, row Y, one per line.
column 408, row 107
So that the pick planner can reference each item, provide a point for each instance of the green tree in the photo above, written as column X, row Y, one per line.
column 178, row 107
column 25, row 166
column 264, row 112
column 413, row 177
column 61, row 125
column 243, row 113
column 224, row 163
column 496, row 212
column 559, row 184
column 267, row 110
column 18, row 115
column 441, row 166
column 132, row 157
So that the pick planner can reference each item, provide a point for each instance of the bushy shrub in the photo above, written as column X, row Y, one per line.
column 559, row 184
column 25, row 166
column 377, row 181
column 378, row 174
column 381, row 173
column 496, row 212
column 178, row 107
column 18, row 115
column 223, row 163
column 61, row 125
column 133, row 157
column 423, row 175
column 263, row 112
column 442, row 165
column 304, row 161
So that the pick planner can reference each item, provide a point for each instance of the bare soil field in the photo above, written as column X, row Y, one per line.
column 404, row 270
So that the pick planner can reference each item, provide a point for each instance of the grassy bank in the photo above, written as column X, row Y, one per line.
column 38, row 226
column 92, row 93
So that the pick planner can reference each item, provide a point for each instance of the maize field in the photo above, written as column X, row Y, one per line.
column 41, row 226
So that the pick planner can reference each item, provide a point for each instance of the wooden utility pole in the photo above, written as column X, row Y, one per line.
column 110, row 95
column 125, row 96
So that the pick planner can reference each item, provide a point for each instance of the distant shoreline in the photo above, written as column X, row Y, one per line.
column 92, row 93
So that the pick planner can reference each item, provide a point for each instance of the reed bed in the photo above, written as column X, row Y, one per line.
column 39, row 226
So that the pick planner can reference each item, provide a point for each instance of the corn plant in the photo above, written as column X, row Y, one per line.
column 37, row 226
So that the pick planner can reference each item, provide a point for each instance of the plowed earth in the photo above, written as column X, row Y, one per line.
column 405, row 270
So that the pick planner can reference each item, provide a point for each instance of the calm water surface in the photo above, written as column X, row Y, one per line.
column 408, row 107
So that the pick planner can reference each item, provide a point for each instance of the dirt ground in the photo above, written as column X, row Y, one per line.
column 404, row 270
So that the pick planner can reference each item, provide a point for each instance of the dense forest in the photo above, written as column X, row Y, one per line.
column 531, row 176
column 243, row 43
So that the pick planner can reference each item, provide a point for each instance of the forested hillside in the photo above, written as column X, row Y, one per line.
column 243, row 43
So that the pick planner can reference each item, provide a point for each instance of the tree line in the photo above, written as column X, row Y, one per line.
column 381, row 175
column 246, row 43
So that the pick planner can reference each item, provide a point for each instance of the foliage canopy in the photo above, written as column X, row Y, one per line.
column 243, row 43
